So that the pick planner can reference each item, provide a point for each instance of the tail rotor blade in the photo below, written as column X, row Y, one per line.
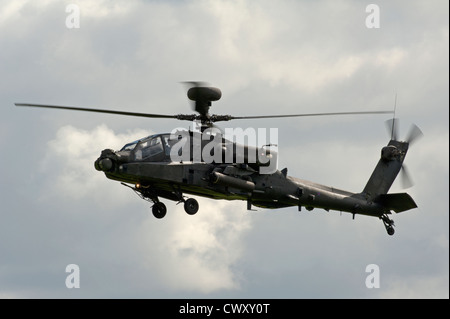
column 406, row 178
column 392, row 126
column 414, row 134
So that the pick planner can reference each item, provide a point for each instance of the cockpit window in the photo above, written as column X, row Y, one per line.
column 132, row 145
column 149, row 147
column 129, row 146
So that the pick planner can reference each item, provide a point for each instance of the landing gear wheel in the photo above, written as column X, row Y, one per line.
column 159, row 210
column 191, row 206
column 388, row 224
column 390, row 230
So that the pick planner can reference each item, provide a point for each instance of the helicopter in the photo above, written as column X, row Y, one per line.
column 204, row 163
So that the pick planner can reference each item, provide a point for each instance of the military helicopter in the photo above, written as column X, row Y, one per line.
column 168, row 166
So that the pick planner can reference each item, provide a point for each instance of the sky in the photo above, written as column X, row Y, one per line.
column 267, row 57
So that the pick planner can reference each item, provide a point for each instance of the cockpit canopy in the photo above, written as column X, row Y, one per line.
column 153, row 148
column 158, row 148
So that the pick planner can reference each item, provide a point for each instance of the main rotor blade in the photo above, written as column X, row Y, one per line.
column 191, row 117
column 191, row 84
column 307, row 114
column 98, row 110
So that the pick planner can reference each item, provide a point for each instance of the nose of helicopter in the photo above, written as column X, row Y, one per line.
column 104, row 162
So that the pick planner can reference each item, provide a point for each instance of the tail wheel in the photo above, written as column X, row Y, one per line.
column 390, row 230
column 191, row 206
column 159, row 210
column 388, row 224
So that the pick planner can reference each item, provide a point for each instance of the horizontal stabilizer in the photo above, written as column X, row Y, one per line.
column 397, row 202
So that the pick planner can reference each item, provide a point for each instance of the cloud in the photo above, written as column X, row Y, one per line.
column 180, row 253
column 201, row 251
column 70, row 157
column 267, row 57
column 416, row 287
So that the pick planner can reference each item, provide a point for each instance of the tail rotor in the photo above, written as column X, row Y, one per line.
column 414, row 134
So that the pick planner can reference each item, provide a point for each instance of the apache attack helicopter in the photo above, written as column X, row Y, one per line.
column 204, row 163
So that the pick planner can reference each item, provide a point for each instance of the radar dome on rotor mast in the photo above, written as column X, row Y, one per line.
column 203, row 96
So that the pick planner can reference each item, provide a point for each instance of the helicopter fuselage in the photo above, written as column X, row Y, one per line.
column 275, row 190
column 146, row 164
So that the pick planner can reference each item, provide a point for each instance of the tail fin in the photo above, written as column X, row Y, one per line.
column 387, row 169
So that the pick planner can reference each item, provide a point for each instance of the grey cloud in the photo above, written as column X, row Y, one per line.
column 284, row 57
